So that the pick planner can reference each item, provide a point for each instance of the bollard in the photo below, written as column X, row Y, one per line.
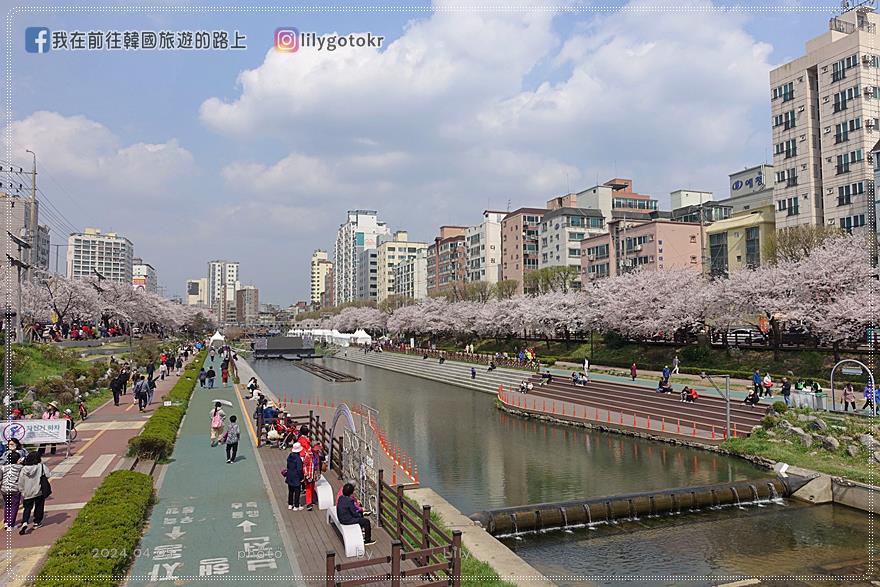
column 621, row 418
column 649, row 422
column 734, row 429
column 544, row 405
column 694, row 424
column 663, row 424
column 678, row 424
column 713, row 431
column 609, row 414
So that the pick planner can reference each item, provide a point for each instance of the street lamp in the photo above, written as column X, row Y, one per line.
column 726, row 396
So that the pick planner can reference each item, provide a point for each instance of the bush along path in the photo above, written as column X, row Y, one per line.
column 212, row 520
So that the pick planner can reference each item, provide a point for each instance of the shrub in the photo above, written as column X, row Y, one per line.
column 780, row 407
column 695, row 354
column 110, row 522
column 769, row 421
column 614, row 341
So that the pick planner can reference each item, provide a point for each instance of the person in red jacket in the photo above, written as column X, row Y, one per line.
column 632, row 371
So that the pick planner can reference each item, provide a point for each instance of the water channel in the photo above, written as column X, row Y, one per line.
column 479, row 458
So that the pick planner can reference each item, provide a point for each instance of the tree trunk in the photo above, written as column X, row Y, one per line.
column 776, row 335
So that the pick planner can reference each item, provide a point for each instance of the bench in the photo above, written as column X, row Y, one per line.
column 351, row 535
column 325, row 493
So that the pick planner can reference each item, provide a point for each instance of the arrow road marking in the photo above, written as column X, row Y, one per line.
column 175, row 533
column 247, row 525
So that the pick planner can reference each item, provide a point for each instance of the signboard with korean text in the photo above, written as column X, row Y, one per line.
column 34, row 431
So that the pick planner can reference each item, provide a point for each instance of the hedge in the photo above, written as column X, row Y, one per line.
column 99, row 546
column 156, row 440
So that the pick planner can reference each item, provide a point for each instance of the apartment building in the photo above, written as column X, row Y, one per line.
column 358, row 233
column 561, row 232
column 92, row 252
column 318, row 268
column 738, row 241
column 197, row 292
column 824, row 115
column 144, row 276
column 222, row 285
column 247, row 305
column 22, row 216
column 750, row 188
column 519, row 243
column 411, row 276
column 392, row 252
column 327, row 296
column 367, row 275
column 652, row 245
column 447, row 259
column 614, row 199
column 484, row 248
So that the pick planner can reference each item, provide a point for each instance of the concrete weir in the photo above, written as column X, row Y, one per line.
column 547, row 516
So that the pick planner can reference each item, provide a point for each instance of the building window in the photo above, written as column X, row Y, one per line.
column 785, row 91
column 718, row 253
column 753, row 246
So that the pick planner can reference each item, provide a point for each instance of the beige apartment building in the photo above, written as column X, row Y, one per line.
column 652, row 245
column 390, row 253
column 519, row 244
column 739, row 241
column 484, row 248
column 447, row 259
column 825, row 107
column 319, row 268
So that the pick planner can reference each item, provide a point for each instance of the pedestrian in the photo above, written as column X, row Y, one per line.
column 786, row 391
column 633, row 371
column 218, row 417
column 151, row 368
column 756, row 381
column 869, row 397
column 666, row 372
column 349, row 514
column 294, row 476
column 13, row 445
column 675, row 363
column 209, row 376
column 224, row 376
column 116, row 388
column 767, row 383
column 178, row 365
column 151, row 388
column 51, row 413
column 163, row 370
column 231, row 439
column 849, row 397
column 309, row 475
column 212, row 355
column 473, row 373
column 141, row 392
column 202, row 377
column 9, row 475
column 587, row 366
column 33, row 484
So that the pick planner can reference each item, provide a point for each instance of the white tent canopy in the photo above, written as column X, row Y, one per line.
column 218, row 338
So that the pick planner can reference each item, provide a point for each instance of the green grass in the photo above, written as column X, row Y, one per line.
column 99, row 546
column 33, row 362
column 817, row 458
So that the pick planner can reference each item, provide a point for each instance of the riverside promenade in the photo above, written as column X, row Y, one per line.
column 609, row 402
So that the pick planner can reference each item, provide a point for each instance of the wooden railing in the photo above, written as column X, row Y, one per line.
column 319, row 431
column 419, row 547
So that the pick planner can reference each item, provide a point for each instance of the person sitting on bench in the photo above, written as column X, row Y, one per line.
column 348, row 513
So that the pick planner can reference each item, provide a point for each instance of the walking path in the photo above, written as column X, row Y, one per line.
column 99, row 449
column 212, row 520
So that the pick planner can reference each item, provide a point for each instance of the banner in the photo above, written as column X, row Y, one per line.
column 34, row 431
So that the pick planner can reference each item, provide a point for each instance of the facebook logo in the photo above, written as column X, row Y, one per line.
column 36, row 39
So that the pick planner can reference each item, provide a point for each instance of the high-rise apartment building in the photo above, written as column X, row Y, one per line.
column 222, row 285
column 366, row 279
column 561, row 233
column 411, row 277
column 328, row 295
column 143, row 276
column 519, row 244
column 93, row 253
column 23, row 214
column 197, row 292
column 484, row 248
column 319, row 268
column 825, row 107
column 447, row 259
column 247, row 305
column 360, row 232
column 390, row 253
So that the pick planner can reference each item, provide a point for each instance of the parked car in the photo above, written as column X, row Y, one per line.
column 742, row 335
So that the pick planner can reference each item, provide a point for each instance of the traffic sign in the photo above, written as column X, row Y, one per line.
column 851, row 370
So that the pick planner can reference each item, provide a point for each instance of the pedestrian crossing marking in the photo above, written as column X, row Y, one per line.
column 100, row 465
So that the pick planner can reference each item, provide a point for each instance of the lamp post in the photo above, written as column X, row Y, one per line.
column 726, row 396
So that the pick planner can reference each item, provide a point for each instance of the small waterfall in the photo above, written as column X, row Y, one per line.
column 736, row 497
column 715, row 499
column 609, row 515
column 515, row 529
column 773, row 495
column 564, row 520
column 653, row 507
column 589, row 516
column 675, row 504
column 693, row 501
column 632, row 511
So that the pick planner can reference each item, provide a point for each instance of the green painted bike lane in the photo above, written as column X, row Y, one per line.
column 213, row 521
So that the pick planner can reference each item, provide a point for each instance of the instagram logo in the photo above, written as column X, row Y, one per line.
column 287, row 39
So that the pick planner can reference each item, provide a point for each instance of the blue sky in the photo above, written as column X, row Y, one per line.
column 256, row 155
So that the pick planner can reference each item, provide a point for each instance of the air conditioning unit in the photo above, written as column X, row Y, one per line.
column 870, row 123
column 802, row 108
column 591, row 257
column 869, row 90
column 866, row 59
column 636, row 248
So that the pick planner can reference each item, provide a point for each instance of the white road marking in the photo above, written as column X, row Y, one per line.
column 100, row 464
column 65, row 466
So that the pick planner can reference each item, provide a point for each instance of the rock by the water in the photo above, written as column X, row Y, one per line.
column 818, row 424
column 830, row 443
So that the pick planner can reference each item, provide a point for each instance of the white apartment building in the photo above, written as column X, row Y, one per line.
column 143, row 276
column 561, row 233
column 825, row 107
column 319, row 268
column 483, row 246
column 197, row 292
column 222, row 285
column 360, row 232
column 366, row 280
column 411, row 276
column 390, row 253
column 108, row 254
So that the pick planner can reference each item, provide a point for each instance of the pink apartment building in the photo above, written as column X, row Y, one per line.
column 519, row 244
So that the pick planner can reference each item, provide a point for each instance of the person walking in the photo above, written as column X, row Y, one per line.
column 767, row 383
column 218, row 418
column 151, row 368
column 33, row 489
column 633, row 371
column 666, row 373
column 163, row 370
column 473, row 373
column 202, row 377
column 786, row 391
column 869, row 397
column 294, row 477
column 209, row 376
column 308, row 464
column 756, row 381
column 141, row 392
column 9, row 475
column 587, row 366
column 116, row 388
column 349, row 514
column 212, row 355
column 675, row 364
column 224, row 376
column 51, row 413
column 178, row 365
column 233, row 432
column 849, row 397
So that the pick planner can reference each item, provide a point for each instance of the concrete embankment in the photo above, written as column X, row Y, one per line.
column 480, row 543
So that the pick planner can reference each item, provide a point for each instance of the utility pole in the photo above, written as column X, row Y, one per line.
column 20, row 266
column 702, row 235
column 33, row 228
